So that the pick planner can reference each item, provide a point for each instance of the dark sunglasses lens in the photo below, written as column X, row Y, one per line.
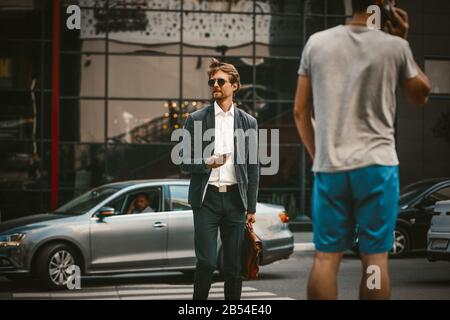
column 220, row 81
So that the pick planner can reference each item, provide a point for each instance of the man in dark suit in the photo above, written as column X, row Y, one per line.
column 224, row 186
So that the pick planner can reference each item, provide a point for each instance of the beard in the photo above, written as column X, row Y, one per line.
column 218, row 95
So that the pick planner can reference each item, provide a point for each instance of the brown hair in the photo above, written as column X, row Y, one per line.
column 228, row 68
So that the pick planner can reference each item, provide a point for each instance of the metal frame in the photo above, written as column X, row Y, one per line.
column 302, row 191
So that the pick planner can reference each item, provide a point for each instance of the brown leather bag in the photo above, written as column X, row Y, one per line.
column 250, row 255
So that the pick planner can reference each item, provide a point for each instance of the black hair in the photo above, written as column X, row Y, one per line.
column 143, row 195
column 361, row 5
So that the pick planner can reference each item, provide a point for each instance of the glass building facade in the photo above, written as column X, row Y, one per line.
column 84, row 107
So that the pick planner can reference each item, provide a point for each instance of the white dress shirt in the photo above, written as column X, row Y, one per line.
column 224, row 143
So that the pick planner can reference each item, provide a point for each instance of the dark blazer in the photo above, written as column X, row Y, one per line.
column 247, row 175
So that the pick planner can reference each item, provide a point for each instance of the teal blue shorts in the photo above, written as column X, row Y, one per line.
column 367, row 198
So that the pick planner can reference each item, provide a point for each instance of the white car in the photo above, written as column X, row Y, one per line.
column 439, row 233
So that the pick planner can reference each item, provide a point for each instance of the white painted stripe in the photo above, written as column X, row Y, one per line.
column 172, row 291
column 162, row 285
column 113, row 293
column 103, row 298
column 305, row 247
column 65, row 294
column 31, row 295
column 145, row 292
column 189, row 297
column 84, row 294
column 274, row 298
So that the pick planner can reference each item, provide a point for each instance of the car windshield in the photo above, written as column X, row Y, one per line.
column 412, row 191
column 87, row 201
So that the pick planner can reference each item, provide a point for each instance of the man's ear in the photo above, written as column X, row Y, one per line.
column 234, row 86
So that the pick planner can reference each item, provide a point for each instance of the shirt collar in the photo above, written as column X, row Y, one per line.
column 218, row 110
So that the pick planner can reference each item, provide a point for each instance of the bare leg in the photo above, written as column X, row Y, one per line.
column 375, row 285
column 322, row 283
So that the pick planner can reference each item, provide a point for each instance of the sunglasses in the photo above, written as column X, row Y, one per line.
column 220, row 82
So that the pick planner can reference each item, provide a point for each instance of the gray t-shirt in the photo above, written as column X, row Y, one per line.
column 354, row 73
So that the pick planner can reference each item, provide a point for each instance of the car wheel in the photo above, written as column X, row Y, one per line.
column 52, row 264
column 401, row 243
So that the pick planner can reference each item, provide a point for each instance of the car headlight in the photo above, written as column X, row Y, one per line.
column 12, row 240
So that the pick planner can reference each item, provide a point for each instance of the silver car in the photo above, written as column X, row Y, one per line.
column 439, row 233
column 96, row 232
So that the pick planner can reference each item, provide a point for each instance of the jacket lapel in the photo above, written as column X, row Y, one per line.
column 210, row 123
column 237, row 125
column 210, row 118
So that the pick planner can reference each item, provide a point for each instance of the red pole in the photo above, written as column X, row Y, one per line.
column 55, row 104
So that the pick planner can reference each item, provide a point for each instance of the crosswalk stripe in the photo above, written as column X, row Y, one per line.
column 177, row 290
column 189, row 296
column 32, row 295
column 146, row 292
column 120, row 292
column 114, row 288
column 271, row 298
column 65, row 295
column 150, row 286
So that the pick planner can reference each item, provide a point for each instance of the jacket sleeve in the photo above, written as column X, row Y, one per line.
column 193, row 166
column 253, row 174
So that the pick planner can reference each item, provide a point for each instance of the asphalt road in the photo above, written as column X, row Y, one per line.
column 412, row 278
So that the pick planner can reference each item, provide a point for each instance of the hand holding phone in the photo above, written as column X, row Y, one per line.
column 398, row 24
column 225, row 155
column 217, row 160
column 387, row 10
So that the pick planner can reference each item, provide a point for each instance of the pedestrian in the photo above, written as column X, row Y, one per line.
column 347, row 81
column 222, row 192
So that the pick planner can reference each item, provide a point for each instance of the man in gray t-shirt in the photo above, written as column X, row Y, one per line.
column 348, row 77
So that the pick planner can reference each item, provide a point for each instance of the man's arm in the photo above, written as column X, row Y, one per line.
column 303, row 114
column 416, row 89
column 253, row 179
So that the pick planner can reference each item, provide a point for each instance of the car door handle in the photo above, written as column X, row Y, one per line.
column 159, row 225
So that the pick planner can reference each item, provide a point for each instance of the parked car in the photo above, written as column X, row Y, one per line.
column 417, row 202
column 94, row 232
column 416, row 208
column 439, row 233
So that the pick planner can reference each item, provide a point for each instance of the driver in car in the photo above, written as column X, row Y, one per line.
column 140, row 205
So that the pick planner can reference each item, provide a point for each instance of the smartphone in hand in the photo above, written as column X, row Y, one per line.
column 218, row 158
column 223, row 157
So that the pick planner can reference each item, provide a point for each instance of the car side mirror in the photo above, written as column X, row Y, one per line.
column 105, row 212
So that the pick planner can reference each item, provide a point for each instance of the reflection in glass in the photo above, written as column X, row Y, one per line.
column 87, row 201
column 142, row 76
column 147, row 121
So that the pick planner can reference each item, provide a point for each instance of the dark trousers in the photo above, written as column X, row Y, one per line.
column 222, row 211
